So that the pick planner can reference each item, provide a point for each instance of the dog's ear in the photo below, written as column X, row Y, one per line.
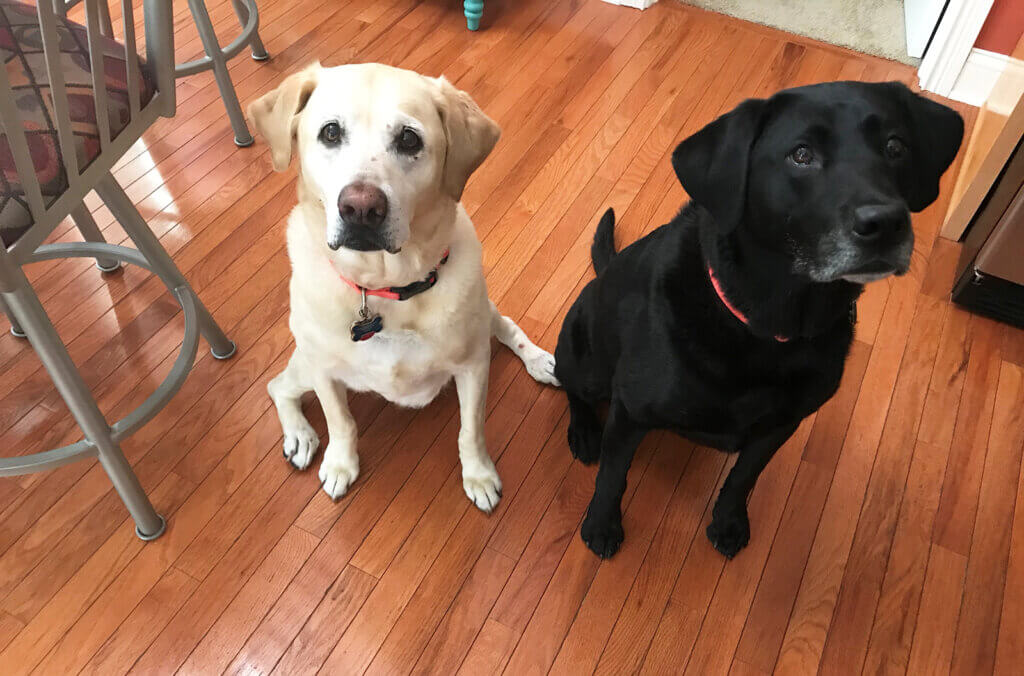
column 937, row 133
column 275, row 115
column 470, row 133
column 712, row 164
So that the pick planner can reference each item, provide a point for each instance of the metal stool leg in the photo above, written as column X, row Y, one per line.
column 16, row 329
column 259, row 52
column 149, row 246
column 220, row 71
column 47, row 344
column 60, row 7
column 91, row 233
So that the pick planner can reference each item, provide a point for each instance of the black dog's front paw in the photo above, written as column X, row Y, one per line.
column 729, row 534
column 585, row 442
column 602, row 535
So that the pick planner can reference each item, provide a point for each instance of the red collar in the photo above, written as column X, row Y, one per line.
column 401, row 292
column 732, row 308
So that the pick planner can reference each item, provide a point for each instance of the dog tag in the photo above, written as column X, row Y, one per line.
column 368, row 325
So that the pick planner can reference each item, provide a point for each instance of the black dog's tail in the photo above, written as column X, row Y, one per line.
column 603, row 249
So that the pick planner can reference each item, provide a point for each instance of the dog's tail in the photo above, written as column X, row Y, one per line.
column 603, row 249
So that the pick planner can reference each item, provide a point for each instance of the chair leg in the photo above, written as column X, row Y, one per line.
column 259, row 52
column 474, row 10
column 220, row 71
column 149, row 246
column 91, row 233
column 47, row 343
column 16, row 329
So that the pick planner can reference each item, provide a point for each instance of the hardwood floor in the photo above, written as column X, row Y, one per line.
column 884, row 533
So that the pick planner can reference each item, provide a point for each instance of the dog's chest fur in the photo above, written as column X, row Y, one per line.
column 425, row 339
column 399, row 365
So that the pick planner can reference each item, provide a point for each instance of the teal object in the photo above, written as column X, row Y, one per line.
column 474, row 10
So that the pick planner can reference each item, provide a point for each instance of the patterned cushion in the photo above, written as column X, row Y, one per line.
column 22, row 50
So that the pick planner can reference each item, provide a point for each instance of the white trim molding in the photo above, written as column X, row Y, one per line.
column 952, row 44
column 637, row 4
column 977, row 81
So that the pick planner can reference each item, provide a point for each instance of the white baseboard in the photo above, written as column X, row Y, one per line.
column 977, row 79
column 951, row 44
column 638, row 4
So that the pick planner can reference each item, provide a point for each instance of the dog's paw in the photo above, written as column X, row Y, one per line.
column 483, row 488
column 584, row 442
column 729, row 534
column 337, row 475
column 602, row 535
column 541, row 367
column 300, row 446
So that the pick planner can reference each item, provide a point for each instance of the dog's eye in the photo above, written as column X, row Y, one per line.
column 330, row 134
column 802, row 155
column 895, row 148
column 408, row 141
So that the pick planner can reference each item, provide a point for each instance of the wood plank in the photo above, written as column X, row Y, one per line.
column 253, row 600
column 770, row 610
column 978, row 629
column 958, row 505
column 10, row 626
column 396, row 622
column 723, row 624
column 143, row 625
column 815, row 604
column 595, row 619
column 849, row 631
column 216, row 592
column 695, row 584
column 680, row 530
column 88, row 586
column 490, row 651
column 449, row 645
column 939, row 613
column 896, row 616
column 341, row 603
column 540, row 600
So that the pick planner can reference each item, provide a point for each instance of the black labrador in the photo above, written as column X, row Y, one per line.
column 732, row 323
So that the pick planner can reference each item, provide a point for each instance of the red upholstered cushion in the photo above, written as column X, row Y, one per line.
column 21, row 47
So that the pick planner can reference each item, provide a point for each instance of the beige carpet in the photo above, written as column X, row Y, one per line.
column 870, row 26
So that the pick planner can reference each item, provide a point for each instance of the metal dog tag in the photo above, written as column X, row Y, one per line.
column 368, row 325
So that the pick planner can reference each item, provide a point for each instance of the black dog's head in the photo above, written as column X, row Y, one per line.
column 825, row 174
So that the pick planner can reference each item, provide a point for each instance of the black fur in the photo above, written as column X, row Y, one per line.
column 603, row 248
column 650, row 335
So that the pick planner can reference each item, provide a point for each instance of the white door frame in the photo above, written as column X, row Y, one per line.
column 921, row 17
column 951, row 45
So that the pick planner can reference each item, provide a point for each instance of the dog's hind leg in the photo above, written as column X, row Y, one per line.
column 539, row 363
column 584, row 430
column 602, row 527
column 286, row 390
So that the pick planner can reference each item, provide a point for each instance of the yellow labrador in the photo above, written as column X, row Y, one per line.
column 387, row 285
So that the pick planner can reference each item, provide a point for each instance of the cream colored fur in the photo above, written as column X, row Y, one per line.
column 429, row 339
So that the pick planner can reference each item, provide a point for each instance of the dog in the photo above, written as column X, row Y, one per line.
column 731, row 323
column 387, row 288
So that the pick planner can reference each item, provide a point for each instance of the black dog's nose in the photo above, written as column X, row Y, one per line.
column 874, row 221
column 363, row 204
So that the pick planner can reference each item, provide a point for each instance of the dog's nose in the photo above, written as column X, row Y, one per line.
column 363, row 204
column 875, row 221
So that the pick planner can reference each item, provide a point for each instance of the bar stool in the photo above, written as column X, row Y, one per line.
column 72, row 102
column 216, row 58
